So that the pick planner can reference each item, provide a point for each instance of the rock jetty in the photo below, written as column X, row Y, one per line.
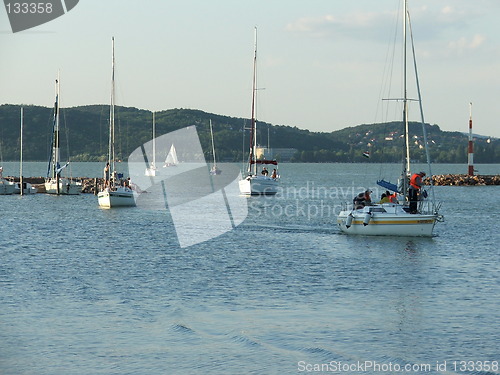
column 463, row 180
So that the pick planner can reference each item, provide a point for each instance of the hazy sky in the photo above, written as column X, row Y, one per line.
column 321, row 63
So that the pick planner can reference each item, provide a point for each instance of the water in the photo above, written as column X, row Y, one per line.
column 90, row 291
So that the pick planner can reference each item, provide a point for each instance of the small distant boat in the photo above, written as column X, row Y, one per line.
column 393, row 218
column 254, row 183
column 114, row 194
column 152, row 171
column 214, row 171
column 54, row 183
column 171, row 159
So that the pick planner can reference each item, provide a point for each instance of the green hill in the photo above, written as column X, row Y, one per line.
column 85, row 129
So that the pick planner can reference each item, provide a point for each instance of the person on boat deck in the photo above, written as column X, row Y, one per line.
column 362, row 199
column 274, row 174
column 264, row 171
column 393, row 198
column 414, row 190
column 385, row 198
column 106, row 175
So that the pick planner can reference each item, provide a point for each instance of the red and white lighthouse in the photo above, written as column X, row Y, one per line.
column 470, row 159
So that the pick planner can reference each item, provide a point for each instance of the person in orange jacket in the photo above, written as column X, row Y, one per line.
column 414, row 190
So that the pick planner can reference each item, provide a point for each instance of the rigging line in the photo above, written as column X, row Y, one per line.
column 421, row 109
column 388, row 71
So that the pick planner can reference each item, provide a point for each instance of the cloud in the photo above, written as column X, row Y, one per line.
column 358, row 25
column 464, row 45
column 429, row 23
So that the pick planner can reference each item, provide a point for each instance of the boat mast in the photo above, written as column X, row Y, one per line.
column 213, row 145
column 56, row 151
column 253, row 126
column 154, row 142
column 21, row 192
column 405, row 104
column 111, row 148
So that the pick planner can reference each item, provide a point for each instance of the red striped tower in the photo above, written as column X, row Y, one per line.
column 470, row 158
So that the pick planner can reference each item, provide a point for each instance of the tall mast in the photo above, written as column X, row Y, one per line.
column 405, row 100
column 253, row 127
column 21, row 192
column 111, row 149
column 154, row 142
column 57, row 154
column 213, row 145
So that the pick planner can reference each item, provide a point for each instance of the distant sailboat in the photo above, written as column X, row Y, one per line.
column 6, row 187
column 214, row 170
column 22, row 187
column 54, row 183
column 253, row 183
column 152, row 171
column 113, row 194
column 171, row 160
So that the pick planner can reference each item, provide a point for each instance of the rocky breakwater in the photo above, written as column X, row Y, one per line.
column 463, row 180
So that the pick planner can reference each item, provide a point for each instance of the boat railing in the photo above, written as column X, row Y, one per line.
column 428, row 207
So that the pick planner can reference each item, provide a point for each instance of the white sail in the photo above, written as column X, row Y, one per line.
column 171, row 159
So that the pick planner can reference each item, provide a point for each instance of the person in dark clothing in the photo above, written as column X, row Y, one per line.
column 414, row 191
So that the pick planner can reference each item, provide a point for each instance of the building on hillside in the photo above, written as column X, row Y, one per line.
column 280, row 154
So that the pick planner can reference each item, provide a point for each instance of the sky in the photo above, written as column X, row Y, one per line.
column 322, row 64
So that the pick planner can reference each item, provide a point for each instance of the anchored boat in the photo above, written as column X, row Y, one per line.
column 254, row 183
column 396, row 219
column 113, row 193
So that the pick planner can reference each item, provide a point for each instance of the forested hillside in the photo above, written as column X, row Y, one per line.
column 85, row 130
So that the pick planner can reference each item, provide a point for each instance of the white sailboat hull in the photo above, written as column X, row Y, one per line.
column 258, row 185
column 27, row 188
column 6, row 188
column 386, row 220
column 121, row 197
column 66, row 187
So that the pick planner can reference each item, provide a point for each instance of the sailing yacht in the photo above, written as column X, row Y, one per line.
column 113, row 193
column 6, row 187
column 395, row 219
column 54, row 183
column 152, row 171
column 214, row 171
column 171, row 159
column 21, row 187
column 253, row 183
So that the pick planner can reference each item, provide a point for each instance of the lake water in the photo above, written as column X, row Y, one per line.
column 85, row 290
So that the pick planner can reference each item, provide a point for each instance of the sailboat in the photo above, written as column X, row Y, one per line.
column 54, row 183
column 113, row 193
column 214, row 170
column 171, row 159
column 22, row 187
column 6, row 187
column 395, row 219
column 152, row 171
column 253, row 183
